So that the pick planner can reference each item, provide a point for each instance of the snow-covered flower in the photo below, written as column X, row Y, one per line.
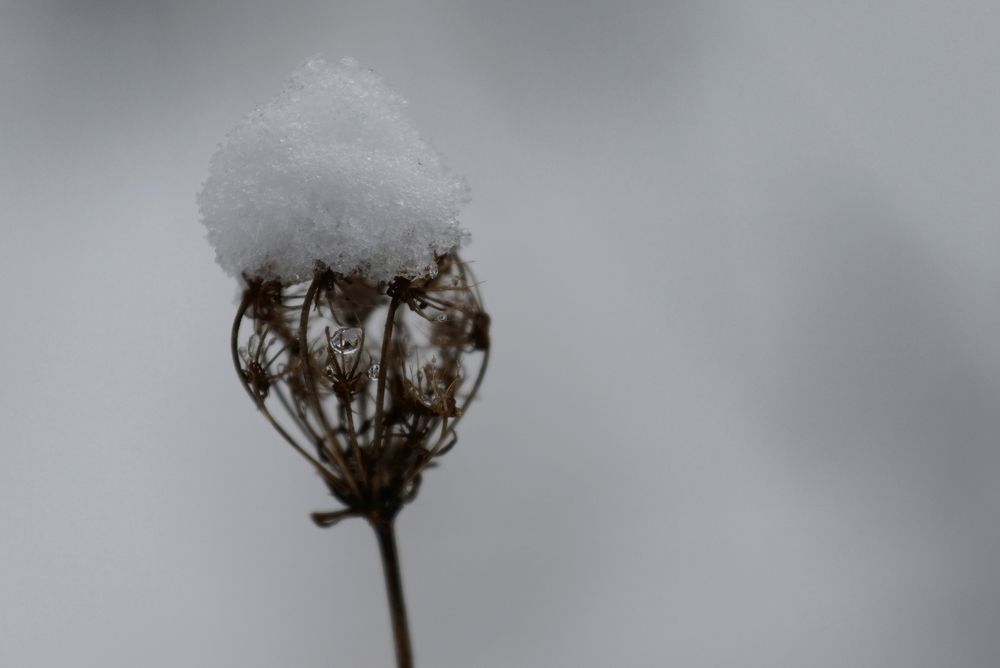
column 360, row 334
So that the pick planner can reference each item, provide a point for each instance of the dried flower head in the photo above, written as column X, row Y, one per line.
column 361, row 335
column 359, row 328
column 367, row 381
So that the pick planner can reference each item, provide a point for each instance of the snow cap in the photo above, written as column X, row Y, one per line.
column 332, row 171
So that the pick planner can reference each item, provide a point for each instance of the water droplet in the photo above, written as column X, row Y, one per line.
column 442, row 318
column 346, row 340
column 408, row 488
column 373, row 371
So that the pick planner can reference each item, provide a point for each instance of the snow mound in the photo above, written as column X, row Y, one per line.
column 330, row 171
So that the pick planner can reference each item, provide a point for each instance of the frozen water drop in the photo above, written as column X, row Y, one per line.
column 373, row 371
column 346, row 340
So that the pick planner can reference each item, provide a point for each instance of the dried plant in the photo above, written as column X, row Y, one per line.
column 360, row 336
column 367, row 382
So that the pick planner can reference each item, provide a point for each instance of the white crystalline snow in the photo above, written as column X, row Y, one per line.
column 330, row 170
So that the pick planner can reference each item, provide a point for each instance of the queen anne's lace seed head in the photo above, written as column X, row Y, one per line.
column 341, row 222
column 374, row 403
column 331, row 171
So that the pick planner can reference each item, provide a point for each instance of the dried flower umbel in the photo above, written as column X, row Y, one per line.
column 367, row 382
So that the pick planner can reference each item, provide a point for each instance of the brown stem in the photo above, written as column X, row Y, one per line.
column 384, row 530
column 310, row 383
column 383, row 369
column 234, row 342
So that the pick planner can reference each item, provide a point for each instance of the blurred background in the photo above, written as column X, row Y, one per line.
column 742, row 262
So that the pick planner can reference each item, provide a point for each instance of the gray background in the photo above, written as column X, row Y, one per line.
column 742, row 259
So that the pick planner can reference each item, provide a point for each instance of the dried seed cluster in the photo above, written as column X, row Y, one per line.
column 365, row 380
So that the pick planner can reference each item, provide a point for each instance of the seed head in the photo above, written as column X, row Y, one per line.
column 365, row 380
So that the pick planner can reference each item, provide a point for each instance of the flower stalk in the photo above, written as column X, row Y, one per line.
column 386, row 533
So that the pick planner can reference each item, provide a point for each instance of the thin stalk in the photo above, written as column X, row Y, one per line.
column 353, row 434
column 384, row 530
column 383, row 369
column 234, row 342
column 310, row 382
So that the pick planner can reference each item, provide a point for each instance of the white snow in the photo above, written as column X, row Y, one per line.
column 332, row 171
